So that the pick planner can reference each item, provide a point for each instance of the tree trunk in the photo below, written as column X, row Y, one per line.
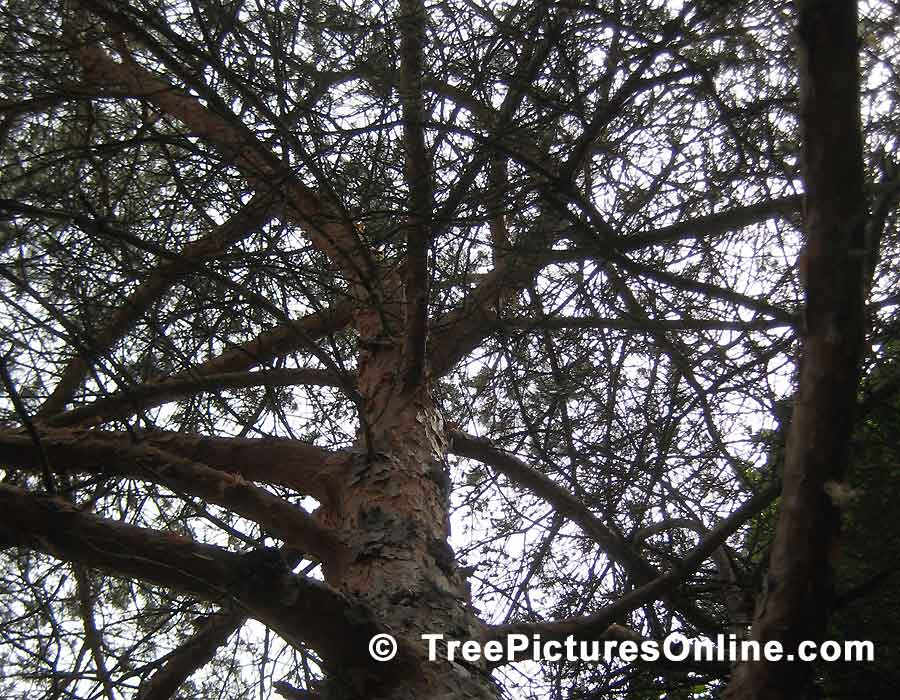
column 798, row 591
column 397, row 496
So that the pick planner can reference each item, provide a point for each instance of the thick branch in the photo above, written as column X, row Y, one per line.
column 705, row 289
column 562, row 501
column 460, row 331
column 276, row 342
column 299, row 465
column 85, row 451
column 301, row 610
column 703, row 227
column 286, row 690
column 326, row 228
column 294, row 464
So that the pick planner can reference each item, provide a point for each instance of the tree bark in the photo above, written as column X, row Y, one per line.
column 798, row 591
column 394, row 511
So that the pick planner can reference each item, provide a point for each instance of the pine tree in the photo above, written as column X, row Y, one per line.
column 290, row 289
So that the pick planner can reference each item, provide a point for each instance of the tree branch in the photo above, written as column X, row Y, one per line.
column 595, row 626
column 76, row 450
column 705, row 289
column 327, row 229
column 91, row 633
column 156, row 393
column 569, row 506
column 458, row 332
column 562, row 501
column 307, row 468
column 246, row 220
column 191, row 655
column 301, row 610
column 650, row 325
column 289, row 692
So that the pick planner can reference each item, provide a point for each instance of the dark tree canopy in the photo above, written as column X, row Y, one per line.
column 325, row 318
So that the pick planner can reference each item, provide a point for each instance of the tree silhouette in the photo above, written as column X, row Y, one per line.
column 290, row 289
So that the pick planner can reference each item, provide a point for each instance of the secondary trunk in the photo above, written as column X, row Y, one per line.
column 799, row 592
